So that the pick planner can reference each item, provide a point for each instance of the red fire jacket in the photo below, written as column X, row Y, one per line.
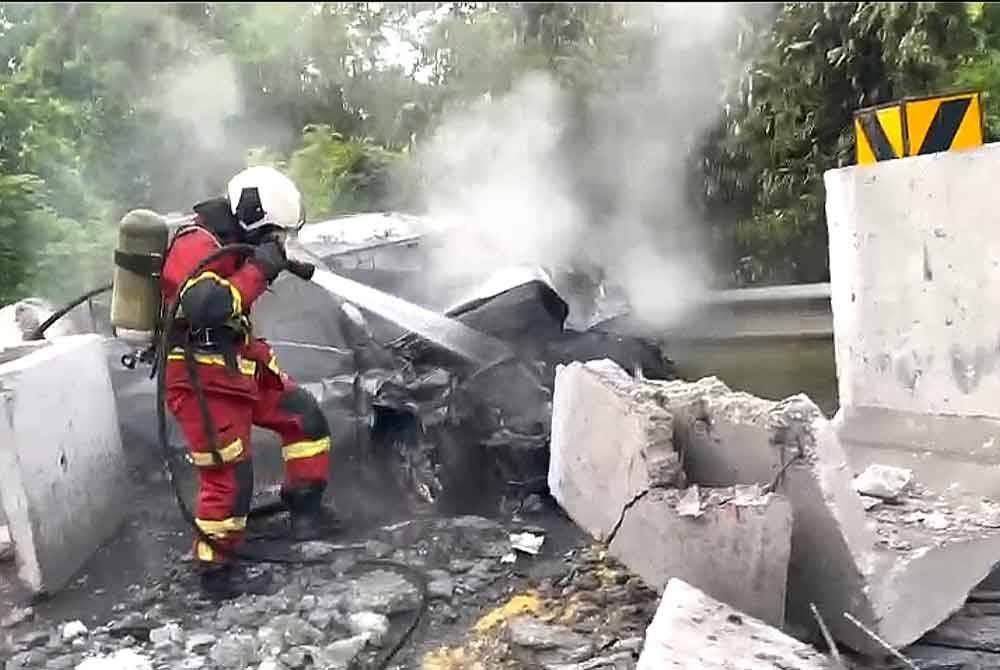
column 221, row 295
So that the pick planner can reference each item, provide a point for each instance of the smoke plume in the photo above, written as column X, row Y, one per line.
column 203, row 95
column 595, row 183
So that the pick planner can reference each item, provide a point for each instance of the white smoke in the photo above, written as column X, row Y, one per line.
column 497, row 177
column 522, row 185
column 203, row 94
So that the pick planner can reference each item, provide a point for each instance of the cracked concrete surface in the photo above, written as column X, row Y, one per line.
column 892, row 565
column 887, row 567
column 615, row 471
column 736, row 549
column 608, row 446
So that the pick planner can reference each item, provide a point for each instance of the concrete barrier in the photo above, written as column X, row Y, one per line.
column 915, row 290
column 915, row 282
column 63, row 482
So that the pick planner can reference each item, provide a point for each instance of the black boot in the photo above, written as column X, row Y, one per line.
column 310, row 518
column 226, row 581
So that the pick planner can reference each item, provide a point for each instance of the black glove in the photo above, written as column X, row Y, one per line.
column 270, row 257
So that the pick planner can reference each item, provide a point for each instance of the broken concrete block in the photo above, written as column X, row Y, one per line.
column 63, row 482
column 692, row 630
column 883, row 481
column 722, row 434
column 610, row 443
column 892, row 567
column 736, row 549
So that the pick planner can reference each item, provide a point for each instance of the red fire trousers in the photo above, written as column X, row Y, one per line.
column 259, row 394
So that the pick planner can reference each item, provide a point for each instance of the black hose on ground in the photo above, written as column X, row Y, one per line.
column 409, row 573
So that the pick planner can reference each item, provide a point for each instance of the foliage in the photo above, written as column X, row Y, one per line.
column 790, row 119
column 338, row 175
column 109, row 106
column 19, row 219
column 979, row 68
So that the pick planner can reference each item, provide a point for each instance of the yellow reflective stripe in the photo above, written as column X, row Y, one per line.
column 228, row 454
column 247, row 367
column 233, row 524
column 305, row 449
column 234, row 292
column 272, row 365
column 205, row 552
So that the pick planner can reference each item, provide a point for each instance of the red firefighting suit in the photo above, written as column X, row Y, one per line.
column 250, row 390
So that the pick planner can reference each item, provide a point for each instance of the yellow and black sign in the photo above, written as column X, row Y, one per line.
column 918, row 126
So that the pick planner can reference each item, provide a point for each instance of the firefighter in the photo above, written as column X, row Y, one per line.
column 241, row 381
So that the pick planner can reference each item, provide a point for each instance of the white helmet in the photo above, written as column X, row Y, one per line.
column 261, row 196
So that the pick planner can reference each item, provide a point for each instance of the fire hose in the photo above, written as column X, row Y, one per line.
column 39, row 332
column 304, row 271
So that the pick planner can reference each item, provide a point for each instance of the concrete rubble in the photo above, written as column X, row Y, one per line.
column 616, row 471
column 572, row 608
column 884, row 482
column 607, row 448
column 891, row 566
column 692, row 630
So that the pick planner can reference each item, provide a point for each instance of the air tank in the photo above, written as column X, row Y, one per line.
column 143, row 236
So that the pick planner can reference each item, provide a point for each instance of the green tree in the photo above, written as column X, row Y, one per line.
column 790, row 119
column 980, row 66
column 338, row 175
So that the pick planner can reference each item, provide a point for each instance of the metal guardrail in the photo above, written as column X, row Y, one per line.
column 780, row 313
column 787, row 293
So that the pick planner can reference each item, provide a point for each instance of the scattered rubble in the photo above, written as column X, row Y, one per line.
column 890, row 565
column 547, row 643
column 586, row 612
column 17, row 616
column 73, row 630
column 527, row 542
column 123, row 659
column 323, row 617
column 692, row 630
column 884, row 482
